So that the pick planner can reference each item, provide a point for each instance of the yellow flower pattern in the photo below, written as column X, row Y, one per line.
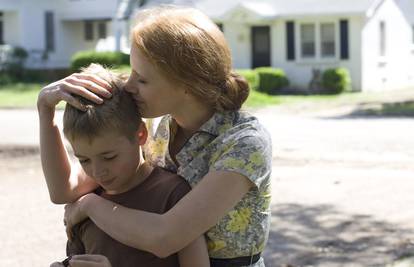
column 239, row 221
column 230, row 141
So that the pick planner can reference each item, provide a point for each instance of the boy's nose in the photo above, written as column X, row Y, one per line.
column 99, row 172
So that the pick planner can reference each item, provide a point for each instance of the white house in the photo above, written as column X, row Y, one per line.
column 373, row 39
column 53, row 30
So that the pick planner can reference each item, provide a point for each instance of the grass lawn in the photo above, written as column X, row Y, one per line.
column 19, row 95
column 390, row 103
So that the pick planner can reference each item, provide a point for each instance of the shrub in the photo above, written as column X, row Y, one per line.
column 6, row 78
column 271, row 80
column 335, row 81
column 12, row 59
column 108, row 59
column 251, row 76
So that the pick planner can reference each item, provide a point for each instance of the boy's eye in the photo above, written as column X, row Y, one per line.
column 83, row 161
column 142, row 81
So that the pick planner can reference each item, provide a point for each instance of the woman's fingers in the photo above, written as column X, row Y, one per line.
column 93, row 83
column 80, row 91
column 72, row 101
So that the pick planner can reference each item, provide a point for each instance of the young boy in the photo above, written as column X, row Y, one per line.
column 106, row 139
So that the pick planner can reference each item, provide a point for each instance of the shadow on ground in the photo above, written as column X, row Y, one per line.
column 323, row 236
column 403, row 109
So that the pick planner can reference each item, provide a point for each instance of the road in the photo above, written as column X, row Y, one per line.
column 342, row 192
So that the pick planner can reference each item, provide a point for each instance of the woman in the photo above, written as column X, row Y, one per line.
column 181, row 70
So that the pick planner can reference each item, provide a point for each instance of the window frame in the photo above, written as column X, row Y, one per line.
column 322, row 41
column 382, row 35
column 318, row 41
column 88, row 30
column 302, row 48
column 102, row 29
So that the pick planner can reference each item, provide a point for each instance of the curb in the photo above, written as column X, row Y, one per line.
column 10, row 150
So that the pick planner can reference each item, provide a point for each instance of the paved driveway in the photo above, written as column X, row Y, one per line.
column 342, row 192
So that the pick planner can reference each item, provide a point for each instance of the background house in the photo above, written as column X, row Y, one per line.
column 373, row 39
column 52, row 30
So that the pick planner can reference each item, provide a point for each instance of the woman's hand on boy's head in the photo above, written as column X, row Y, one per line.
column 88, row 86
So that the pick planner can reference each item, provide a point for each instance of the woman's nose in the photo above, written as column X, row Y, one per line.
column 130, row 87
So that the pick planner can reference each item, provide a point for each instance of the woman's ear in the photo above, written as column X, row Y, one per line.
column 142, row 134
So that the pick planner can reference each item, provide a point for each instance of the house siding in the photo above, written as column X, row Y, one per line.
column 391, row 71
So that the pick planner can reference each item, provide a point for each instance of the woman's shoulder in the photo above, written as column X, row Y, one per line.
column 240, row 125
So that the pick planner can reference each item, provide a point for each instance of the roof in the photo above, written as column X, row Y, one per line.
column 277, row 8
column 407, row 8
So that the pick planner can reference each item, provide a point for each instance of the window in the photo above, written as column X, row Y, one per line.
column 327, row 40
column 102, row 30
column 50, row 31
column 382, row 35
column 88, row 30
column 307, row 34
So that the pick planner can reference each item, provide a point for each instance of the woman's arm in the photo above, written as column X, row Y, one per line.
column 214, row 196
column 65, row 184
column 195, row 254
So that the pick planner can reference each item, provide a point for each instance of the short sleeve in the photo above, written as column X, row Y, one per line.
column 250, row 156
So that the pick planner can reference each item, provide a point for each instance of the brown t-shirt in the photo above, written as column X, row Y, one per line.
column 157, row 194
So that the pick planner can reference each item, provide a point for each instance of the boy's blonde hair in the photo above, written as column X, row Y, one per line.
column 190, row 49
column 117, row 114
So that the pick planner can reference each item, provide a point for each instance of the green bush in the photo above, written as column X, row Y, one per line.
column 108, row 59
column 335, row 81
column 6, row 78
column 251, row 76
column 271, row 80
column 12, row 59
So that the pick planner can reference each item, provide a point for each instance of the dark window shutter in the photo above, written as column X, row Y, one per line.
column 344, row 36
column 290, row 40
column 1, row 33
column 50, row 31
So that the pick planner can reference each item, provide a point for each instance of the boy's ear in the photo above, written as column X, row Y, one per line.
column 142, row 134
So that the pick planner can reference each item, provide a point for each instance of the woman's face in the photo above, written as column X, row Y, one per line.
column 153, row 91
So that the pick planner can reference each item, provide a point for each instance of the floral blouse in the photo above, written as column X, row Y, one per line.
column 229, row 141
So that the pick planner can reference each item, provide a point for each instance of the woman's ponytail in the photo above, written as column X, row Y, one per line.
column 234, row 92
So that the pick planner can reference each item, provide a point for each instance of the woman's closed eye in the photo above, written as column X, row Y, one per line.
column 109, row 158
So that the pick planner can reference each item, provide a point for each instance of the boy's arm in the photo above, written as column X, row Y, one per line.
column 195, row 254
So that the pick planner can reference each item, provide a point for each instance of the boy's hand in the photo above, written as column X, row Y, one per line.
column 86, row 260
column 74, row 214
column 87, row 86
